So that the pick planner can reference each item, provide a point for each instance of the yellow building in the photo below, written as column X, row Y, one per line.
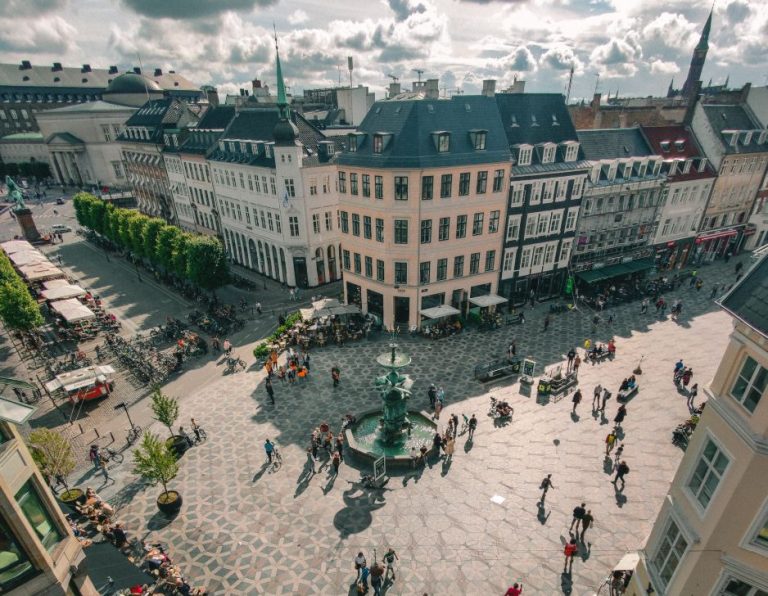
column 39, row 556
column 711, row 536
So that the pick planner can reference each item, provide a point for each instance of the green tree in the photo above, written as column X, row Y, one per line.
column 179, row 258
column 80, row 201
column 206, row 262
column 123, row 227
column 136, row 232
column 151, row 233
column 165, row 409
column 111, row 217
column 52, row 454
column 17, row 308
column 166, row 241
column 153, row 460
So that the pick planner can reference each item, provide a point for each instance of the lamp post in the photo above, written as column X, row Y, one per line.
column 124, row 406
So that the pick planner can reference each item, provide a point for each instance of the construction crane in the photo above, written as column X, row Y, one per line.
column 393, row 77
column 419, row 72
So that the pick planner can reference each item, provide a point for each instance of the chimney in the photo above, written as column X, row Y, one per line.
column 56, row 67
column 113, row 70
column 432, row 88
column 25, row 65
column 158, row 72
column 691, row 108
column 213, row 97
column 137, row 70
column 394, row 89
column 256, row 83
column 489, row 87
column 86, row 68
column 595, row 105
column 242, row 92
column 744, row 92
column 622, row 120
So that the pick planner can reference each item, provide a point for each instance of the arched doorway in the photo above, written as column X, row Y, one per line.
column 254, row 254
column 274, row 258
column 282, row 266
column 262, row 265
column 269, row 260
column 332, row 275
column 320, row 264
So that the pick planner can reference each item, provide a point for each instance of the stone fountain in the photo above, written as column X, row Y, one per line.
column 392, row 430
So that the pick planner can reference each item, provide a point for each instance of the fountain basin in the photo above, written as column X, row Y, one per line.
column 364, row 439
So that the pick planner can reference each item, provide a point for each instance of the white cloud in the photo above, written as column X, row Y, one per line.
column 297, row 17
column 48, row 35
column 664, row 68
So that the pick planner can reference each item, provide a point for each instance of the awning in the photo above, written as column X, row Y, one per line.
column 103, row 562
column 15, row 411
column 72, row 310
column 77, row 379
column 55, row 283
column 487, row 300
column 62, row 292
column 437, row 312
column 716, row 235
column 13, row 246
column 41, row 272
column 611, row 271
column 25, row 257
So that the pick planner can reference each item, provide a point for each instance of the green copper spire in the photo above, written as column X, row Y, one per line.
column 282, row 100
column 704, row 39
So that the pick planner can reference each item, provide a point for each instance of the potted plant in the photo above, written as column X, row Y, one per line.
column 53, row 455
column 166, row 410
column 154, row 461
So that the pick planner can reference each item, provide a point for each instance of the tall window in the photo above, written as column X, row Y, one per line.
column 474, row 263
column 738, row 587
column 107, row 132
column 493, row 222
column 358, row 263
column 669, row 553
column 458, row 266
column 344, row 221
column 709, row 470
column 490, row 260
column 424, row 272
column 379, row 230
column 355, row 224
column 498, row 180
column 426, row 187
column 290, row 188
column 401, row 188
column 442, row 269
column 446, row 182
column 353, row 183
column 445, row 228
column 379, row 270
column 37, row 515
column 477, row 224
column 482, row 182
column 278, row 229
column 464, row 184
column 570, row 220
column 379, row 189
column 366, row 185
column 315, row 222
column 378, row 143
column 367, row 226
column 293, row 223
column 328, row 221
column 342, row 182
column 426, row 231
column 401, row 273
column 368, row 267
column 344, row 258
column 461, row 226
column 16, row 566
column 443, row 142
column 750, row 384
column 401, row 231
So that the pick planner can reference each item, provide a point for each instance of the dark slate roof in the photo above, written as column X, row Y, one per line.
column 748, row 300
column 157, row 112
column 733, row 117
column 613, row 143
column 518, row 109
column 217, row 118
column 411, row 124
column 204, row 135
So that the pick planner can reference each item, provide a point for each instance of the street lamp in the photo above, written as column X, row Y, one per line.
column 124, row 406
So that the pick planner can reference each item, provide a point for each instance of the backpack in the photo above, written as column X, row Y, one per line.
column 626, row 469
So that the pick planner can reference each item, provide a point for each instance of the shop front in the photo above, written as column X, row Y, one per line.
column 715, row 245
column 545, row 286
column 621, row 279
column 674, row 254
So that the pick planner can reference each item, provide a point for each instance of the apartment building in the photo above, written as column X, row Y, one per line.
column 737, row 146
column 619, row 208
column 547, row 180
column 711, row 535
column 689, row 181
column 423, row 186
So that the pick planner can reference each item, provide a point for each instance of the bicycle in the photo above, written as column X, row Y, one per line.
column 277, row 459
column 200, row 434
column 111, row 455
column 133, row 434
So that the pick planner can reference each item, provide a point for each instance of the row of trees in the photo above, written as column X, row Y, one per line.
column 25, row 169
column 199, row 259
column 18, row 309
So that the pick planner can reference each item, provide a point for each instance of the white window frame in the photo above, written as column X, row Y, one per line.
column 750, row 383
column 517, row 195
column 760, row 521
column 513, row 225
column 694, row 497
column 508, row 263
column 734, row 569
column 525, row 153
column 652, row 570
column 565, row 251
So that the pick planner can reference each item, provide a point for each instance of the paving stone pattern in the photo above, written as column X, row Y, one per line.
column 248, row 529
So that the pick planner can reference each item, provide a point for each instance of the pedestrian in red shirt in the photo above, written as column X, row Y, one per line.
column 515, row 590
column 569, row 551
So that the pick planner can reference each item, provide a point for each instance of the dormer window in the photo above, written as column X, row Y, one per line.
column 380, row 141
column 641, row 170
column 524, row 155
column 442, row 141
column 533, row 120
column 243, row 147
column 763, row 137
column 478, row 138
column 221, row 145
column 554, row 120
column 355, row 141
column 513, row 122
column 673, row 168
column 231, row 146
column 267, row 150
column 571, row 151
column 665, row 145
column 680, row 145
column 548, row 153
column 687, row 166
column 628, row 170
column 703, row 164
column 747, row 137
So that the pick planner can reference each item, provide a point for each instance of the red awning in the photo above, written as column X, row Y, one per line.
column 716, row 235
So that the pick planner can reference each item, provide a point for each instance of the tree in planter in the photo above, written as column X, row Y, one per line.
column 53, row 455
column 154, row 461
column 165, row 408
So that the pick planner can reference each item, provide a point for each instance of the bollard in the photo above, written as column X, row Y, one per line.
column 80, row 426
column 112, row 436
column 96, row 430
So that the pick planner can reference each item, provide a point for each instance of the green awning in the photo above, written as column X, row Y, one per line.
column 612, row 271
column 640, row 265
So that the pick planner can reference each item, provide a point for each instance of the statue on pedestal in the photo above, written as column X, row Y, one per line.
column 22, row 213
column 14, row 194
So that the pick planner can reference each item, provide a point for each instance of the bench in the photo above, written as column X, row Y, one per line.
column 514, row 319
column 561, row 387
column 497, row 369
column 604, row 355
column 629, row 394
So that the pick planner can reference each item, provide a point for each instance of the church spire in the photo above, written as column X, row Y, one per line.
column 704, row 39
column 698, row 59
column 282, row 99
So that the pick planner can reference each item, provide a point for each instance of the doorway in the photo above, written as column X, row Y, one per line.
column 402, row 310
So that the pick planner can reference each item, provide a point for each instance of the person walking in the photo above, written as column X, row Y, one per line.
column 336, row 376
column 515, row 590
column 546, row 322
column 472, row 427
column 360, row 563
column 576, row 400
column 437, row 443
column 606, row 397
column 389, row 558
column 571, row 356
column 618, row 454
column 449, row 445
column 335, row 461
column 569, row 551
column 644, row 306
column 621, row 413
column 596, row 397
column 94, row 456
column 610, row 442
column 621, row 470
column 545, row 485
column 512, row 350
column 455, row 419
column 377, row 581
column 578, row 514
column 714, row 292
column 269, row 449
column 103, row 468
column 432, row 393
column 270, row 390
column 586, row 523
column 438, row 409
column 692, row 393
column 576, row 365
column 340, row 446
column 532, row 298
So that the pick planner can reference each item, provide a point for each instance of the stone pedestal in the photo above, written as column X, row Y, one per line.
column 27, row 224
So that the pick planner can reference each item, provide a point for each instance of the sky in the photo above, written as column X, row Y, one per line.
column 635, row 46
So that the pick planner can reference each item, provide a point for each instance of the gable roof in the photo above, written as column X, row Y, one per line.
column 613, row 143
column 724, row 118
column 216, row 118
column 552, row 122
column 748, row 299
column 656, row 135
column 412, row 124
column 64, row 137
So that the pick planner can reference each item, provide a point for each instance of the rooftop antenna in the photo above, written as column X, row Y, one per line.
column 570, row 82
column 338, row 67
column 419, row 72
column 350, row 66
column 143, row 78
